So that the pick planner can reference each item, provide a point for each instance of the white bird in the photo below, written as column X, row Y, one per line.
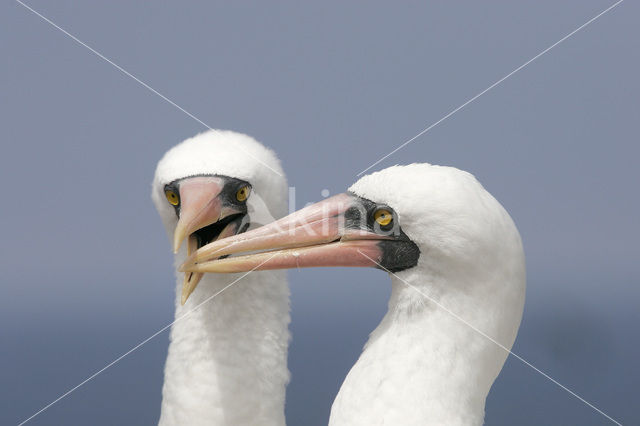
column 227, row 361
column 458, row 285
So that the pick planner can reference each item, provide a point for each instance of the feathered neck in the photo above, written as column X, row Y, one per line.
column 424, row 366
column 227, row 361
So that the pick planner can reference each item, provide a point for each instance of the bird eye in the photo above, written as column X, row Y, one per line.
column 172, row 197
column 383, row 217
column 243, row 193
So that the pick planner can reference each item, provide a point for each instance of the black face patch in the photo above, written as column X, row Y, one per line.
column 228, row 198
column 227, row 195
column 398, row 252
column 362, row 216
column 398, row 255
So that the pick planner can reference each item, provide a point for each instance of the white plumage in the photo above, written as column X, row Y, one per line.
column 227, row 361
column 421, row 365
column 457, row 295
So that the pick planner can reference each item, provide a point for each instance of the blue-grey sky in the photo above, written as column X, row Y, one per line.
column 331, row 87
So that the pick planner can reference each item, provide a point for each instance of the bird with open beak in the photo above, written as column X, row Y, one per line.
column 227, row 358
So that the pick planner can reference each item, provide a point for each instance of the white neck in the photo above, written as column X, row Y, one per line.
column 227, row 362
column 421, row 365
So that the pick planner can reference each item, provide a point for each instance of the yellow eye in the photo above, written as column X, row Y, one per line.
column 172, row 197
column 243, row 193
column 383, row 217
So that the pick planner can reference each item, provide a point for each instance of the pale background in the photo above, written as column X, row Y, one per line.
column 331, row 87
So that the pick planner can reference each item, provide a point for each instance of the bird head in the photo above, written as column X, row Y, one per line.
column 215, row 185
column 461, row 230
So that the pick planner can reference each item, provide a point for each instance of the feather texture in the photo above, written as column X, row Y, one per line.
column 227, row 361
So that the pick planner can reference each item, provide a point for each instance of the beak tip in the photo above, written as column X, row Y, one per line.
column 178, row 237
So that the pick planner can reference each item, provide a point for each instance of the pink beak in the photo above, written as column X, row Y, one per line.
column 317, row 235
column 200, row 206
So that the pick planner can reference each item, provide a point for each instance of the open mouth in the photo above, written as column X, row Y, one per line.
column 209, row 233
column 208, row 208
column 226, row 227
